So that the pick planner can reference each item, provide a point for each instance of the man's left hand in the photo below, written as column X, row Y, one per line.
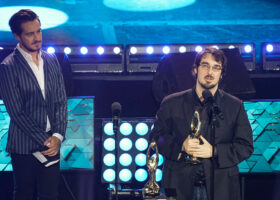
column 203, row 150
column 54, row 145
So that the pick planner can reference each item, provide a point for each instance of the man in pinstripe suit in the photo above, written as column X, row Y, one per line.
column 32, row 88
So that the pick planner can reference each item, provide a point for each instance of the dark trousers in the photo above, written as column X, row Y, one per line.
column 29, row 174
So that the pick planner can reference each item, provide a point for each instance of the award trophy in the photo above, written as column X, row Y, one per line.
column 195, row 133
column 151, row 188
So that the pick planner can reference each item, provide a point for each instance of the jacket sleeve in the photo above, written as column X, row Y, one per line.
column 168, row 142
column 241, row 147
column 60, row 104
column 14, row 104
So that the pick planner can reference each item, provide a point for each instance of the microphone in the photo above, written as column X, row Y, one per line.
column 116, row 110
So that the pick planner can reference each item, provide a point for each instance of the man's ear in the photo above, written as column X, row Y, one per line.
column 195, row 70
column 17, row 36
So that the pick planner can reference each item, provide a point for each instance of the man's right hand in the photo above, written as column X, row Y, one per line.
column 190, row 145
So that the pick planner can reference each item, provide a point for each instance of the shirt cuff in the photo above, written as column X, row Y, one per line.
column 59, row 136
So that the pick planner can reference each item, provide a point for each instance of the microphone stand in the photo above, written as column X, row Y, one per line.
column 115, row 128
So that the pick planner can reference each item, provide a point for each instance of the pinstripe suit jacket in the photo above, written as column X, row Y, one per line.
column 26, row 106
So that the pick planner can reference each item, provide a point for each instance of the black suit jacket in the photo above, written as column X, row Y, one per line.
column 233, row 142
column 26, row 106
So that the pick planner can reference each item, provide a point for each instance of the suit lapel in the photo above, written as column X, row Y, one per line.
column 188, row 108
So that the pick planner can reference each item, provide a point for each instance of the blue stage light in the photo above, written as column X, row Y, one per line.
column 215, row 46
column 125, row 159
column 109, row 175
column 149, row 50
column 51, row 17
column 117, row 50
column 160, row 159
column 182, row 49
column 166, row 49
column 67, row 50
column 51, row 50
column 126, row 128
column 84, row 50
column 109, row 159
column 248, row 48
column 152, row 127
column 198, row 49
column 142, row 128
column 140, row 159
column 141, row 144
column 109, row 144
column 231, row 46
column 133, row 50
column 269, row 48
column 147, row 5
column 108, row 129
column 141, row 175
column 125, row 144
column 100, row 50
column 158, row 175
column 125, row 175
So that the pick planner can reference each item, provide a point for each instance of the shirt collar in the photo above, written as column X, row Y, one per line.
column 27, row 55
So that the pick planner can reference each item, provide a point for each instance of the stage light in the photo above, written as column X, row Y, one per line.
column 125, row 144
column 133, row 50
column 215, row 46
column 150, row 50
column 248, row 48
column 108, row 128
column 109, row 175
column 117, row 50
column 198, row 49
column 100, row 50
column 126, row 128
column 109, row 144
column 231, row 46
column 125, row 175
column 160, row 159
column 141, row 175
column 51, row 50
column 141, row 144
column 109, row 159
column 67, row 50
column 166, row 50
column 140, row 159
column 125, row 159
column 51, row 17
column 1, row 48
column 269, row 48
column 84, row 50
column 158, row 175
column 182, row 49
column 141, row 128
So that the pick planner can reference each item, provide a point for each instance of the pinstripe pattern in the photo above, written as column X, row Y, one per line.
column 26, row 106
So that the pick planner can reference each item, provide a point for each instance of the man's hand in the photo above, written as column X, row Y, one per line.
column 202, row 150
column 190, row 144
column 54, row 145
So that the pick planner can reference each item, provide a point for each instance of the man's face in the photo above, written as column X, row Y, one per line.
column 31, row 36
column 208, row 72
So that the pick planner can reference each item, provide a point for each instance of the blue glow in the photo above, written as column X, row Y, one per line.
column 198, row 49
column 108, row 128
column 84, row 50
column 125, row 159
column 269, row 48
column 125, row 144
column 109, row 144
column 150, row 50
column 147, row 5
column 133, row 50
column 141, row 144
column 160, row 159
column 141, row 175
column 125, row 175
column 100, row 50
column 141, row 128
column 158, row 175
column 109, row 175
column 166, row 50
column 152, row 127
column 117, row 50
column 49, row 17
column 182, row 49
column 67, row 50
column 109, row 159
column 126, row 128
column 248, row 48
column 140, row 159
column 51, row 50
